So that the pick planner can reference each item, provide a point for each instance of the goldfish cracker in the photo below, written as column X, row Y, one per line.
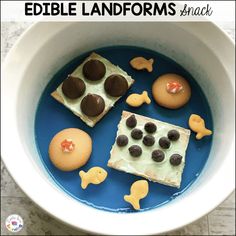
column 197, row 124
column 136, row 100
column 140, row 63
column 139, row 190
column 95, row 175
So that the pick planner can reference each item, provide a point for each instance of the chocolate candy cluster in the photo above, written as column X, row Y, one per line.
column 94, row 70
column 148, row 140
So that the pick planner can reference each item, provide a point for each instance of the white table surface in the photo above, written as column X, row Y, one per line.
column 221, row 221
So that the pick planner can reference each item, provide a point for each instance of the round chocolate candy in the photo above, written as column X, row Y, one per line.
column 73, row 87
column 173, row 135
column 164, row 142
column 150, row 127
column 92, row 105
column 175, row 159
column 137, row 134
column 116, row 85
column 94, row 70
column 148, row 140
column 131, row 122
column 122, row 140
column 158, row 155
column 135, row 151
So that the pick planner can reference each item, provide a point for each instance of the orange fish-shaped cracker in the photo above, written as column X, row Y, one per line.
column 136, row 100
column 95, row 175
column 139, row 190
column 197, row 124
column 140, row 63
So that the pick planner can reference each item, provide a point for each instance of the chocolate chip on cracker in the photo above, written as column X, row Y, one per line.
column 94, row 70
column 92, row 105
column 137, row 134
column 175, row 159
column 158, row 155
column 122, row 140
column 131, row 122
column 173, row 135
column 116, row 85
column 135, row 151
column 148, row 140
column 150, row 127
column 164, row 142
column 73, row 87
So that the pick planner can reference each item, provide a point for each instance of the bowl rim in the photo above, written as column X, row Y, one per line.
column 96, row 227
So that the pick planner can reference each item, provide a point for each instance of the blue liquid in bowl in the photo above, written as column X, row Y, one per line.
column 52, row 117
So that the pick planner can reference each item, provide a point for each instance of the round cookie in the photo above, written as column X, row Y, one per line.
column 171, row 91
column 70, row 149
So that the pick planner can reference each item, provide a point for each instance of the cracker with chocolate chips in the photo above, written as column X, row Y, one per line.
column 150, row 148
column 93, row 88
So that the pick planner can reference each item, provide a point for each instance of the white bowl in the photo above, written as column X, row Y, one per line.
column 203, row 49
